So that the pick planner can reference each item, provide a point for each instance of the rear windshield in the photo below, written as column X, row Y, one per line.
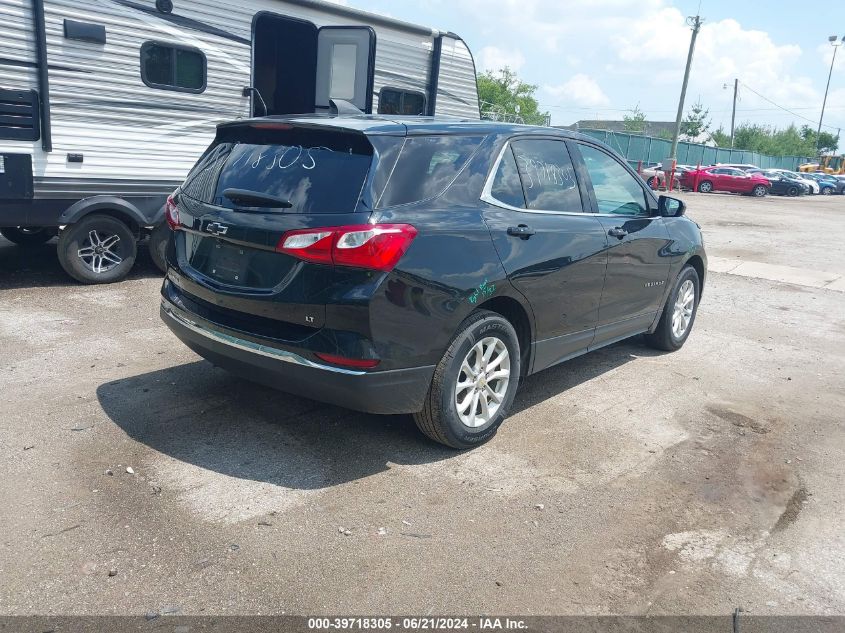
column 426, row 166
column 317, row 171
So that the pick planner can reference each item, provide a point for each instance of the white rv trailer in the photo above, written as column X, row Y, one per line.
column 106, row 104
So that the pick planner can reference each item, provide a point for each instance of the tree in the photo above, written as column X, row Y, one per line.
column 696, row 123
column 634, row 121
column 789, row 141
column 504, row 96
column 720, row 137
column 827, row 142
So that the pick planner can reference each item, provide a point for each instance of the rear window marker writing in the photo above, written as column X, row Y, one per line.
column 304, row 157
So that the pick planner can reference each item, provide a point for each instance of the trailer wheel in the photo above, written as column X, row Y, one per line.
column 99, row 249
column 28, row 235
column 158, row 245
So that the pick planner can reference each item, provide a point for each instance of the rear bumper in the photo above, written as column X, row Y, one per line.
column 395, row 391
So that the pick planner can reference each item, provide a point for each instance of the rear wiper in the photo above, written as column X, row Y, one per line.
column 256, row 199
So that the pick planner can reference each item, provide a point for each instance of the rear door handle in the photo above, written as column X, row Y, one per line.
column 523, row 230
column 617, row 231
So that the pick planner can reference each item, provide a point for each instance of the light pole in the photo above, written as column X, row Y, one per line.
column 695, row 24
column 733, row 111
column 833, row 42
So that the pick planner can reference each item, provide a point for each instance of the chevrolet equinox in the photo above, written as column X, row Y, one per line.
column 420, row 265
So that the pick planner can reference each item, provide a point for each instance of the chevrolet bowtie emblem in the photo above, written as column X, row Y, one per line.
column 215, row 228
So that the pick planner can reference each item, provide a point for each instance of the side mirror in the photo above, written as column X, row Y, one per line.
column 671, row 207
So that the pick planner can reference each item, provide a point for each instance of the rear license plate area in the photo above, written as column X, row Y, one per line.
column 228, row 264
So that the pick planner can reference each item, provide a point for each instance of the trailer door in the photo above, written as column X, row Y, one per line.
column 345, row 66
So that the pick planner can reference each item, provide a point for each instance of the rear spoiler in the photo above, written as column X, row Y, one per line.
column 360, row 124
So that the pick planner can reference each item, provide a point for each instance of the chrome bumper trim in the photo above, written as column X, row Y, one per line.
column 248, row 346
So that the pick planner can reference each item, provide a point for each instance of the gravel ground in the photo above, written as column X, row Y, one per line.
column 137, row 478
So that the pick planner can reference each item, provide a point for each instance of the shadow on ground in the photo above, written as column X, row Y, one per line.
column 204, row 416
column 38, row 266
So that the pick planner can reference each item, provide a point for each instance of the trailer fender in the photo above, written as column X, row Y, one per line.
column 117, row 207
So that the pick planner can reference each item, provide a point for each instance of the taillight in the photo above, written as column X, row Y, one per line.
column 373, row 246
column 353, row 363
column 171, row 213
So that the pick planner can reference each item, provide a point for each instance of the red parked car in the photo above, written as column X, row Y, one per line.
column 709, row 179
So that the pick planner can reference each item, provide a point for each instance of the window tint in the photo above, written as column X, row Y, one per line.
column 318, row 172
column 615, row 188
column 426, row 166
column 506, row 186
column 173, row 67
column 393, row 101
column 548, row 177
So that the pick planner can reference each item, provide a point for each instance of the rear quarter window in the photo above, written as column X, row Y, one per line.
column 427, row 165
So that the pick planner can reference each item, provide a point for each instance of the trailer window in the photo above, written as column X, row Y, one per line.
column 173, row 67
column 395, row 101
column 343, row 71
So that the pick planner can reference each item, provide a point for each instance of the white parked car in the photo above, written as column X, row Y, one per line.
column 649, row 174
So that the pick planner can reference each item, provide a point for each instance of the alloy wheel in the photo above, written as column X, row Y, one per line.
column 684, row 306
column 99, row 251
column 482, row 382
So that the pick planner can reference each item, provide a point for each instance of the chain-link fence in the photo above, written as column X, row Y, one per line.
column 649, row 149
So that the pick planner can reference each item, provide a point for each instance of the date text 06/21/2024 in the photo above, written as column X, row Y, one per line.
column 427, row 623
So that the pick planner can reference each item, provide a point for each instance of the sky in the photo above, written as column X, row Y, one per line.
column 601, row 58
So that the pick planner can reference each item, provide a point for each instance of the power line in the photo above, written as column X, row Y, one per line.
column 716, row 111
column 800, row 116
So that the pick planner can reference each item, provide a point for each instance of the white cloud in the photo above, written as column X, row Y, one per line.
column 634, row 51
column 580, row 90
column 494, row 58
column 724, row 51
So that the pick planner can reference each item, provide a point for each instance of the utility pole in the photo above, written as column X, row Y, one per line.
column 832, row 39
column 695, row 23
column 733, row 112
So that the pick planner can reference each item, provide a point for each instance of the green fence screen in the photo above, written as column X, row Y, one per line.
column 649, row 149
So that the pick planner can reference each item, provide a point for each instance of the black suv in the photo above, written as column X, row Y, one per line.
column 420, row 265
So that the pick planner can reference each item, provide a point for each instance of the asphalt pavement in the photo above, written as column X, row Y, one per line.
column 136, row 478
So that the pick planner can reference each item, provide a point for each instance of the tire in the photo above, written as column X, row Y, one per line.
column 28, row 235
column 665, row 337
column 792, row 192
column 440, row 418
column 159, row 237
column 759, row 191
column 91, row 233
column 827, row 191
column 651, row 182
column 705, row 187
